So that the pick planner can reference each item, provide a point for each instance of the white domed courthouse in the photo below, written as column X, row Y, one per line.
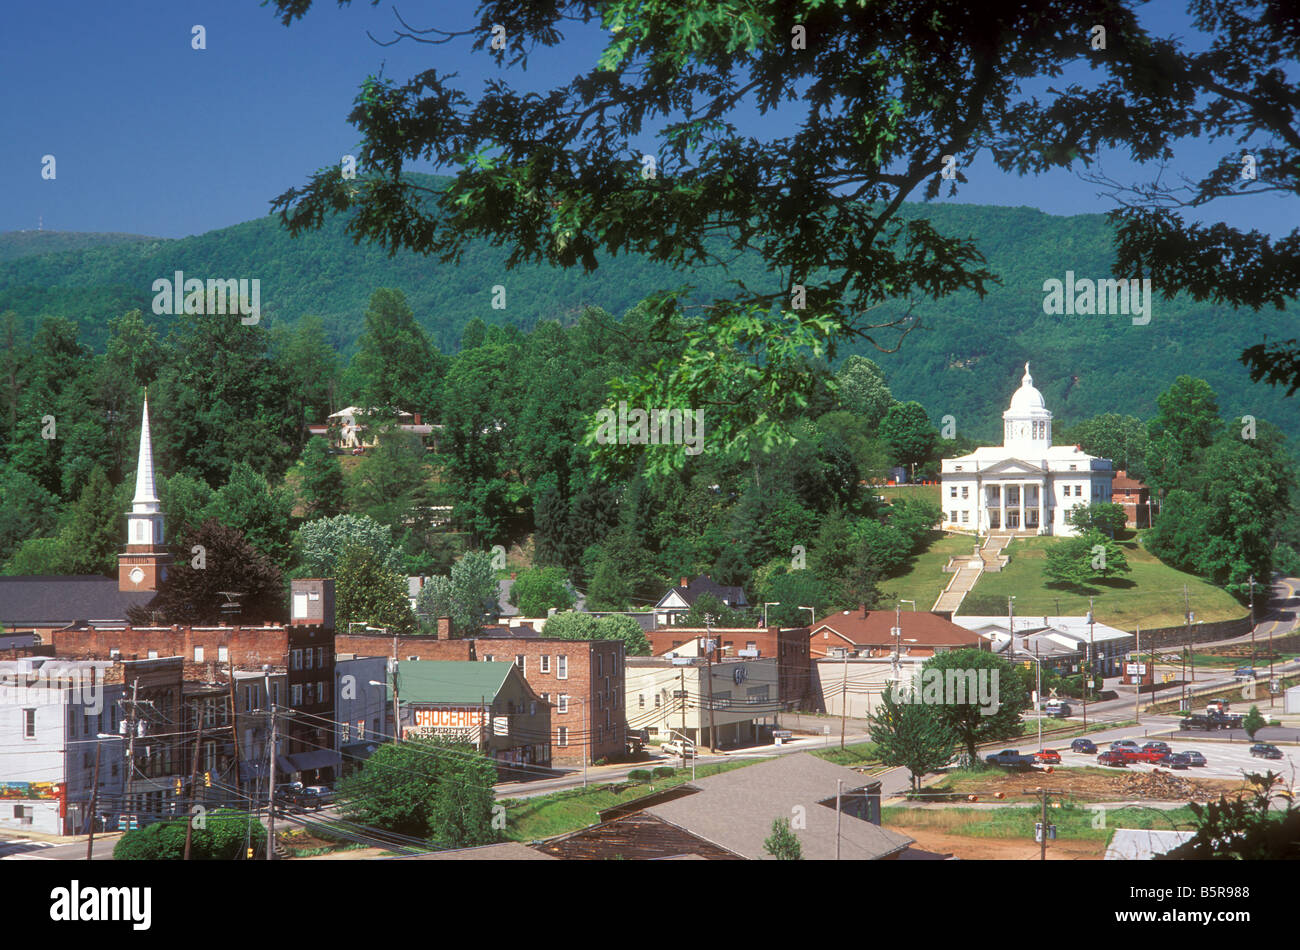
column 1026, row 485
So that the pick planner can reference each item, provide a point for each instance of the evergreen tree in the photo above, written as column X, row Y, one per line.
column 321, row 480
column 783, row 844
column 907, row 734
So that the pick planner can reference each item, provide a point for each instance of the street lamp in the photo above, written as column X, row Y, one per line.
column 397, row 722
column 94, row 791
column 766, row 604
column 812, row 612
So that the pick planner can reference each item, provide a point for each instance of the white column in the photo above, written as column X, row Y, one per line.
column 1022, row 505
column 1002, row 501
column 1042, row 508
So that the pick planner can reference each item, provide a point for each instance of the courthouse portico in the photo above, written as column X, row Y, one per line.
column 1026, row 485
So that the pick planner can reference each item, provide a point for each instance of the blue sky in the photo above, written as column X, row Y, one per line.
column 153, row 137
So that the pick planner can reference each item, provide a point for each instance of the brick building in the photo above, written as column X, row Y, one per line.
column 582, row 680
column 789, row 645
column 1135, row 497
column 871, row 633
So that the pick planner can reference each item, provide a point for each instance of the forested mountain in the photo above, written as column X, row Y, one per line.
column 18, row 244
column 965, row 360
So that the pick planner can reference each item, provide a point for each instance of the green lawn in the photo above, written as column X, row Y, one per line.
column 1072, row 821
column 1152, row 594
column 925, row 580
column 860, row 753
column 891, row 492
column 529, row 819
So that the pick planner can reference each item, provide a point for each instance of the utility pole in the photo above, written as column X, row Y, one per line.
column 708, row 665
column 234, row 728
column 1137, row 688
column 1252, row 622
column 586, row 742
column 839, row 788
column 130, row 750
column 1087, row 666
column 194, row 779
column 1042, row 854
column 682, row 675
column 94, row 801
column 270, row 789
column 844, row 697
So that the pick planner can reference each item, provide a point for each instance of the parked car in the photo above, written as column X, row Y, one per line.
column 1112, row 757
column 1058, row 709
column 315, row 797
column 1011, row 759
column 1050, row 756
column 1140, row 755
column 1194, row 758
column 1175, row 760
column 1123, row 744
column 1086, row 746
column 1264, row 750
column 287, row 794
column 1155, row 746
column 676, row 747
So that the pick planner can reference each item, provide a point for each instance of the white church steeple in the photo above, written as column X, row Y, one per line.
column 143, row 564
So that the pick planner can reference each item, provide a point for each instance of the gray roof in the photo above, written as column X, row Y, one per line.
column 735, row 810
column 1143, row 844
column 53, row 601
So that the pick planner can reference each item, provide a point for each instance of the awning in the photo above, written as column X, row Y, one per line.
column 307, row 761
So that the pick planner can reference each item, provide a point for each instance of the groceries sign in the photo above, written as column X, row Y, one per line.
column 447, row 719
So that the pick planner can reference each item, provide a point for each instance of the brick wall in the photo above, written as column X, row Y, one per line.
column 595, row 674
column 247, row 646
column 789, row 645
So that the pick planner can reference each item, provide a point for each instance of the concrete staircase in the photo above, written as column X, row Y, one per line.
column 966, row 570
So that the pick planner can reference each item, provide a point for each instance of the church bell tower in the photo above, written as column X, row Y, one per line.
column 143, row 563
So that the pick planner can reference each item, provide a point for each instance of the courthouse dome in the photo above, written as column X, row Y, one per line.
column 1027, row 398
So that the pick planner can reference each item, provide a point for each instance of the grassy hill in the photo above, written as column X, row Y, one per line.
column 1151, row 595
column 964, row 360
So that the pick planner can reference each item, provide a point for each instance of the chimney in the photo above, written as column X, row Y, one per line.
column 444, row 629
column 417, row 418
column 684, row 584
column 864, row 610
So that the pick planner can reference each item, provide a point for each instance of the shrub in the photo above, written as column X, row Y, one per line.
column 639, row 775
column 664, row 771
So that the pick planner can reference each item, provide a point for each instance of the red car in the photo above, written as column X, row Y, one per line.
column 1141, row 755
column 1050, row 756
column 1112, row 757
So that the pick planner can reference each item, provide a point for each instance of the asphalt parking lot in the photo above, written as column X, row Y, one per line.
column 1222, row 759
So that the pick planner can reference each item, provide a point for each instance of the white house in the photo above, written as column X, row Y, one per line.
column 1026, row 485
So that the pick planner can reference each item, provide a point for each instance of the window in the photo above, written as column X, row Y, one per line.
column 656, row 700
column 956, row 468
column 153, row 654
column 640, row 700
column 320, row 658
column 346, row 735
column 198, row 654
column 965, row 516
column 965, row 491
column 563, row 736
column 1074, row 468
column 310, row 656
column 562, row 667
column 751, row 644
column 275, row 693
column 295, row 694
column 29, row 723
column 546, row 663
column 309, row 694
column 954, row 514
column 361, row 729
column 564, row 703
column 223, row 654
column 952, row 492
column 321, row 692
column 600, row 664
column 295, row 660
column 520, row 662
column 532, row 708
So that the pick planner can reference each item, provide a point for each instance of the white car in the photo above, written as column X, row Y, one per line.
column 676, row 747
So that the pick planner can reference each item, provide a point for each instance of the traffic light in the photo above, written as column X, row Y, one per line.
column 207, row 779
column 178, row 786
